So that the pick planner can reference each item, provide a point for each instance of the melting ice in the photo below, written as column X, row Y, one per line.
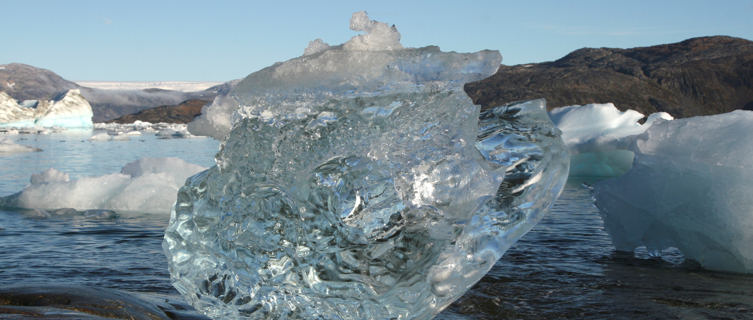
column 359, row 181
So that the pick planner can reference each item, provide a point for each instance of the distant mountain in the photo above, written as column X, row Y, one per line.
column 24, row 82
column 181, row 113
column 699, row 76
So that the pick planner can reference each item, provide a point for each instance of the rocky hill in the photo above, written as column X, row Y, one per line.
column 181, row 113
column 698, row 76
column 24, row 82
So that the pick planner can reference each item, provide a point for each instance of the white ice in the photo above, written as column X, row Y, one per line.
column 118, row 131
column 7, row 146
column 148, row 185
column 690, row 188
column 598, row 136
column 69, row 111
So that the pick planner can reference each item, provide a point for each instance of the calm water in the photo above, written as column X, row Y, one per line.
column 565, row 267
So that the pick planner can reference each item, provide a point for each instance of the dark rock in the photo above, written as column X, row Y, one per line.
column 112, row 104
column 181, row 113
column 699, row 76
column 80, row 302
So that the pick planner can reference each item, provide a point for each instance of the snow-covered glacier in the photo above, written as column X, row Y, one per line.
column 690, row 188
column 358, row 181
column 599, row 136
column 69, row 110
column 148, row 185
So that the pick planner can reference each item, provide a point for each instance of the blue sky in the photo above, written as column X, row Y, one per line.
column 223, row 40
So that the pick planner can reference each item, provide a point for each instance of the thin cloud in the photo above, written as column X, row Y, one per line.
column 107, row 20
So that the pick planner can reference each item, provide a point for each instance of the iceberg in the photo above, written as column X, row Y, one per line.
column 70, row 110
column 689, row 188
column 147, row 185
column 358, row 181
column 598, row 137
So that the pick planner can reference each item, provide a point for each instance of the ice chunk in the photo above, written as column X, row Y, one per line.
column 315, row 46
column 14, row 115
column 124, row 131
column 690, row 188
column 70, row 110
column 361, row 185
column 8, row 146
column 598, row 136
column 378, row 36
column 147, row 185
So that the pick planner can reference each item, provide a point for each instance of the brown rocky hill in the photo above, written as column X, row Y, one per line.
column 698, row 76
column 181, row 113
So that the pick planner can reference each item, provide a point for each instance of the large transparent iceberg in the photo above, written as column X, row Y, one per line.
column 69, row 110
column 690, row 188
column 357, row 184
column 598, row 137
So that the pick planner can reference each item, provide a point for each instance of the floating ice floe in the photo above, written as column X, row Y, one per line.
column 690, row 188
column 8, row 146
column 124, row 131
column 359, row 181
column 70, row 110
column 147, row 185
column 598, row 137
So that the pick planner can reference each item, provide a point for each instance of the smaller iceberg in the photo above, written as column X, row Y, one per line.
column 690, row 188
column 69, row 110
column 7, row 146
column 598, row 137
column 147, row 185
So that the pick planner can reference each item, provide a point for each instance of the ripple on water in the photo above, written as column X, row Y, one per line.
column 565, row 267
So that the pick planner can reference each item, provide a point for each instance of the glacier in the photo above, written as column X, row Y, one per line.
column 359, row 181
column 69, row 110
column 689, row 188
column 598, row 137
column 148, row 185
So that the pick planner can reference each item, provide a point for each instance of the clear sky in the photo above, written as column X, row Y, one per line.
column 223, row 40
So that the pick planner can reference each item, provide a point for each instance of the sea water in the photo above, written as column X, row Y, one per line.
column 566, row 267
